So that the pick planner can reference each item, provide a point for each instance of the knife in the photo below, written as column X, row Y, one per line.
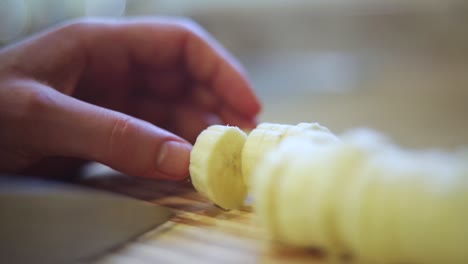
column 49, row 222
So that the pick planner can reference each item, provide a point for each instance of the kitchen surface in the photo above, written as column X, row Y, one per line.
column 400, row 67
column 199, row 232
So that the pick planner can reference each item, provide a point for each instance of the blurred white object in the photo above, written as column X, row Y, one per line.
column 105, row 7
column 13, row 19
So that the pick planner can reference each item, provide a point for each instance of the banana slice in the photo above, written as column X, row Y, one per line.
column 359, row 147
column 433, row 218
column 215, row 166
column 268, row 180
column 302, row 198
column 265, row 186
column 268, row 136
column 291, row 199
column 304, row 128
column 313, row 132
column 304, row 225
column 259, row 142
column 274, row 127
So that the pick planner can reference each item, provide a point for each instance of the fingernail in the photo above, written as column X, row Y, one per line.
column 174, row 159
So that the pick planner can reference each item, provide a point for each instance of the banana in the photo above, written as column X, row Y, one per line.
column 268, row 136
column 308, row 225
column 259, row 142
column 352, row 157
column 360, row 194
column 302, row 128
column 265, row 186
column 221, row 145
column 280, row 182
column 215, row 166
column 366, row 197
column 295, row 189
column 414, row 200
column 274, row 127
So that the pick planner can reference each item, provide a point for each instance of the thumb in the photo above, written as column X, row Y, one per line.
column 69, row 127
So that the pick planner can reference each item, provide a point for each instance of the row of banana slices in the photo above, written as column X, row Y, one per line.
column 358, row 195
column 224, row 157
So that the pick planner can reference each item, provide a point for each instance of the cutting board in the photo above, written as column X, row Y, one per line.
column 200, row 232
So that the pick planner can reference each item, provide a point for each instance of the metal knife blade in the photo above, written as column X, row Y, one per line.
column 45, row 222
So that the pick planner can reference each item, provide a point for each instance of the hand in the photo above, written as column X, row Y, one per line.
column 111, row 90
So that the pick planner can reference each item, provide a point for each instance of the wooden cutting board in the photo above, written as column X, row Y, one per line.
column 199, row 232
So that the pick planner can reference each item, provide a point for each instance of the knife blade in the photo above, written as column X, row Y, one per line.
column 50, row 222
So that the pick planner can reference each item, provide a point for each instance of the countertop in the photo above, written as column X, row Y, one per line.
column 199, row 232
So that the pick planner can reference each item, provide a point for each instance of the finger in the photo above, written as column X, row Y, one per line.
column 165, row 43
column 205, row 98
column 101, row 48
column 168, row 85
column 65, row 126
column 153, row 110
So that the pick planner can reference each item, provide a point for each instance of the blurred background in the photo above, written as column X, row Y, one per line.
column 399, row 66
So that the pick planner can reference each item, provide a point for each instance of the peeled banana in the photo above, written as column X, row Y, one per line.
column 357, row 194
column 223, row 157
column 365, row 197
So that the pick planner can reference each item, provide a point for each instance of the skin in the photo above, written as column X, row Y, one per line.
column 131, row 94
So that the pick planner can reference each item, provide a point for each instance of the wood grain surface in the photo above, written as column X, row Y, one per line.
column 199, row 232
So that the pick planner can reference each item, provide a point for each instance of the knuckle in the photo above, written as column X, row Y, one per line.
column 36, row 101
column 26, row 102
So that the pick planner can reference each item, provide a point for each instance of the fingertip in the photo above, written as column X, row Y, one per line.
column 256, row 108
column 246, row 100
column 174, row 159
column 253, row 122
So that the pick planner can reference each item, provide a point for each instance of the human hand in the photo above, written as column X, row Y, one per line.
column 110, row 91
